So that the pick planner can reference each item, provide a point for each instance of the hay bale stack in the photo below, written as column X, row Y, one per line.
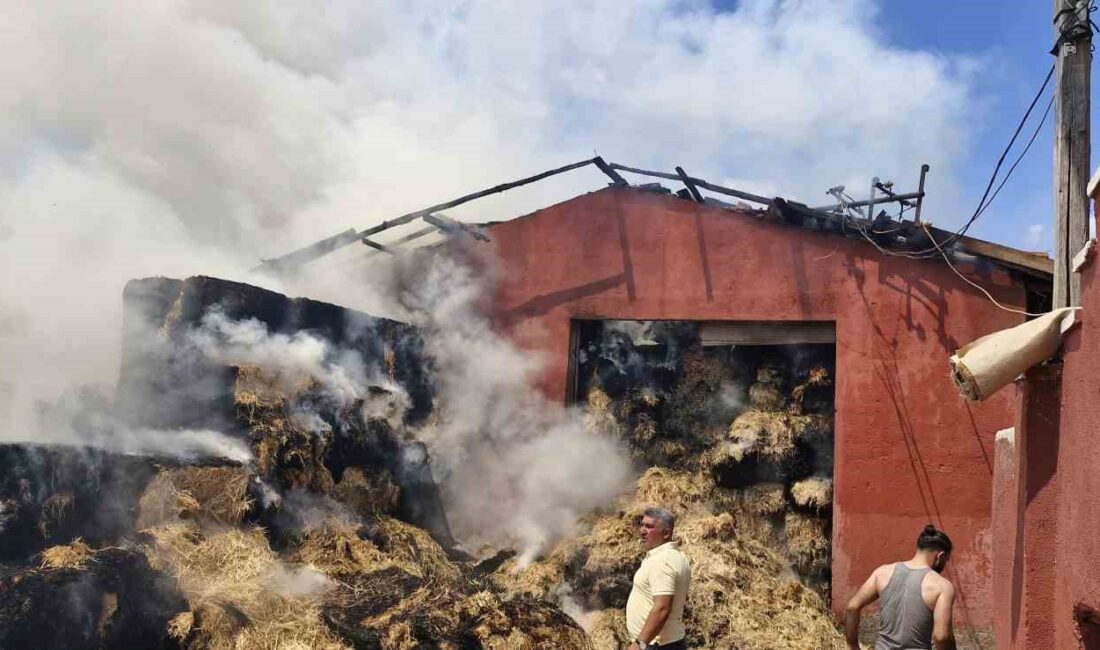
column 807, row 542
column 203, row 494
column 815, row 492
column 772, row 435
column 764, row 499
column 608, row 630
column 285, row 452
column 368, row 493
column 765, row 396
column 743, row 595
column 239, row 593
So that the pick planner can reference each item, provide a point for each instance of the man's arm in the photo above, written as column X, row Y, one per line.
column 866, row 595
column 662, row 606
column 942, row 633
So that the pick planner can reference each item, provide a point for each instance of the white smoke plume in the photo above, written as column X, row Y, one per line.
column 193, row 137
column 516, row 469
column 289, row 358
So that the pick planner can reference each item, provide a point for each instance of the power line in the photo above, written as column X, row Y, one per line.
column 972, row 283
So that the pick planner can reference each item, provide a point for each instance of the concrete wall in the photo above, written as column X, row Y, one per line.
column 908, row 450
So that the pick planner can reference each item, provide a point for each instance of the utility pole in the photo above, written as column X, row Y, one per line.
column 1071, row 144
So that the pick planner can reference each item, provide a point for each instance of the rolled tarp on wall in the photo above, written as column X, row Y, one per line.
column 984, row 366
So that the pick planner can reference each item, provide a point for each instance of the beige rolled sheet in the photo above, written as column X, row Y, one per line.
column 984, row 366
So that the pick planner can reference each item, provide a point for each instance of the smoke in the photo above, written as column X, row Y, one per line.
column 515, row 468
column 289, row 359
column 179, row 138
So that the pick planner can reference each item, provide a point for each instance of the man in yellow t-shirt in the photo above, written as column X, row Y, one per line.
column 655, row 609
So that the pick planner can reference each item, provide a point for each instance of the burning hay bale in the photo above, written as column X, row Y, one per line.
column 773, row 435
column 817, row 377
column 415, row 547
column 815, row 492
column 81, row 598
column 240, row 594
column 763, row 499
column 54, row 512
column 807, row 542
column 765, row 397
column 285, row 453
column 203, row 494
column 336, row 548
column 368, row 494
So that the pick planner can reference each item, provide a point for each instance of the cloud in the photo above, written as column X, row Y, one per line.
column 182, row 137
column 1037, row 237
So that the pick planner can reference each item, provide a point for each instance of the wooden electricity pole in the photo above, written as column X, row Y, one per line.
column 1071, row 144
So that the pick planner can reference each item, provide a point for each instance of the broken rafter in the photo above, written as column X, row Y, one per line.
column 755, row 198
column 449, row 225
column 375, row 245
column 319, row 249
column 690, row 185
column 616, row 178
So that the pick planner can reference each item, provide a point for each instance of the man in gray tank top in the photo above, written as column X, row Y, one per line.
column 916, row 600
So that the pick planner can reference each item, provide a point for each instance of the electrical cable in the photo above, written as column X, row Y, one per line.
column 971, row 282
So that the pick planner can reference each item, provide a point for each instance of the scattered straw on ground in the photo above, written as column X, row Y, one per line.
column 74, row 555
column 814, row 492
column 203, row 494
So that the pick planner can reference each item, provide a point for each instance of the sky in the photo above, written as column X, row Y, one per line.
column 1012, row 41
column 181, row 137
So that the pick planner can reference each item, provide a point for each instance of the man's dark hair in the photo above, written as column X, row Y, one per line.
column 932, row 539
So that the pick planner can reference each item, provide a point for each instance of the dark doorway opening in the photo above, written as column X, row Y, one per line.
column 751, row 403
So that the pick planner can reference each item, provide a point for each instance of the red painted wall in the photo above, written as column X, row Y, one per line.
column 909, row 450
column 1047, row 538
column 1076, row 541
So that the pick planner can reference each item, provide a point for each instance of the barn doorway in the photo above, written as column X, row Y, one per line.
column 750, row 402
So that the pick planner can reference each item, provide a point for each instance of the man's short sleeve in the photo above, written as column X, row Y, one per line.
column 662, row 578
